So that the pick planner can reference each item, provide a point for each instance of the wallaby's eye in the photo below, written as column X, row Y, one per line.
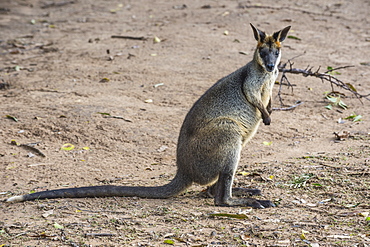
column 277, row 53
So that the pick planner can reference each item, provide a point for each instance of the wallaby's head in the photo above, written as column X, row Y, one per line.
column 268, row 47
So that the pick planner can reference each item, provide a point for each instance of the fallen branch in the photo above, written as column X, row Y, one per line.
column 18, row 235
column 361, row 174
column 128, row 37
column 289, row 108
column 326, row 76
column 56, row 4
column 29, row 147
column 282, row 8
column 100, row 234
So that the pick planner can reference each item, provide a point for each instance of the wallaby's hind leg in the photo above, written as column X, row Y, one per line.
column 239, row 191
column 223, row 196
column 223, row 187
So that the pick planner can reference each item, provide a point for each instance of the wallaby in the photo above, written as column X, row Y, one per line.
column 211, row 138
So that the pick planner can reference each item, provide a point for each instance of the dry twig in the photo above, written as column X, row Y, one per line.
column 29, row 147
column 289, row 108
column 282, row 8
column 326, row 76
column 100, row 234
column 128, row 37
column 56, row 4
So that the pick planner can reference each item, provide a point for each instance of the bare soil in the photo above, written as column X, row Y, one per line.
column 60, row 69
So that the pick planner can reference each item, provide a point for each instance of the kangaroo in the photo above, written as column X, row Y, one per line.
column 212, row 135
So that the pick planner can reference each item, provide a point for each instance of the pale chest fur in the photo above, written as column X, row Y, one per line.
column 267, row 86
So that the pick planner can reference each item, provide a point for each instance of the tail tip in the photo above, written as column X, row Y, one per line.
column 15, row 199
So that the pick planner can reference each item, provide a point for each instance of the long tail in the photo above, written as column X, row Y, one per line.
column 176, row 186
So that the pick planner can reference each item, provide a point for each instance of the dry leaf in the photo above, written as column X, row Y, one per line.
column 235, row 216
column 67, row 147
column 57, row 226
column 339, row 236
column 162, row 148
column 244, row 173
column 47, row 213
column 156, row 40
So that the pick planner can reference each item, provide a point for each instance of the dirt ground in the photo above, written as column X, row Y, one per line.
column 60, row 69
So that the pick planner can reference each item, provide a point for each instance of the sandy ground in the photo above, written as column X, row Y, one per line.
column 60, row 69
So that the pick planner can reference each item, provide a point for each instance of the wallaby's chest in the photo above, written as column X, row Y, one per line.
column 267, row 86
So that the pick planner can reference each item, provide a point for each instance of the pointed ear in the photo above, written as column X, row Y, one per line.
column 258, row 34
column 281, row 35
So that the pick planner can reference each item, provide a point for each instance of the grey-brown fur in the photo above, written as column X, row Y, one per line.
column 214, row 131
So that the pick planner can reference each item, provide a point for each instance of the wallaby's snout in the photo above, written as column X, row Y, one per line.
column 270, row 67
column 270, row 57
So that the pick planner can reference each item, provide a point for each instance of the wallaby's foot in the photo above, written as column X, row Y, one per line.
column 237, row 191
column 267, row 120
column 247, row 202
column 223, row 194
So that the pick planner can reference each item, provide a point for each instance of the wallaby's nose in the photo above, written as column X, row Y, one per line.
column 270, row 67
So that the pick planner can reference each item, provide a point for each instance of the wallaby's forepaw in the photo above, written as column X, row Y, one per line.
column 267, row 120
